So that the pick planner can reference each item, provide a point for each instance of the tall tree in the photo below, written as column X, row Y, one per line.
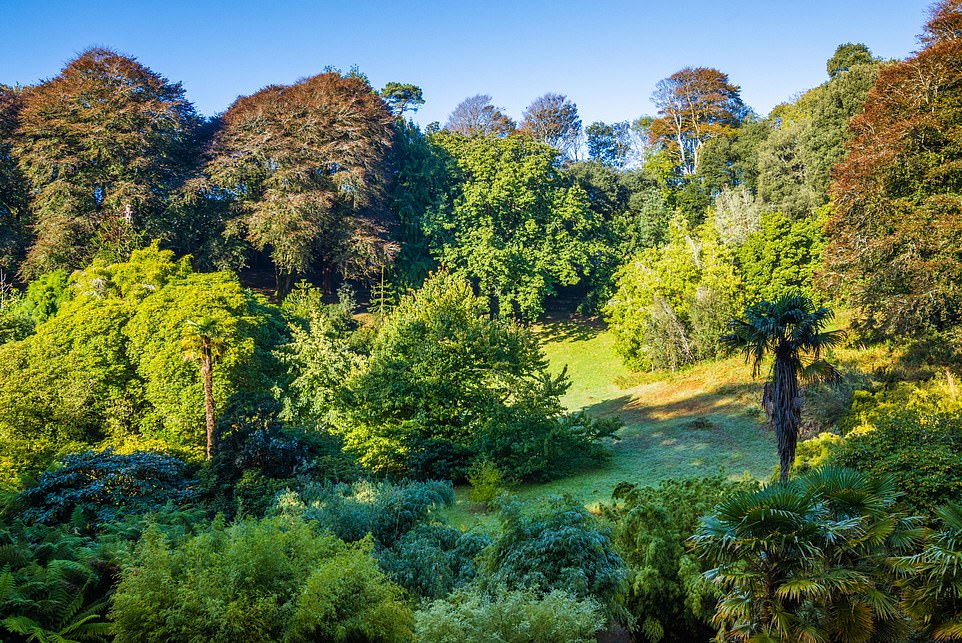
column 305, row 164
column 694, row 105
column 401, row 97
column 514, row 221
column 477, row 116
column 793, row 331
column 203, row 343
column 103, row 144
column 895, row 242
column 553, row 119
column 608, row 143
column 14, row 195
column 847, row 56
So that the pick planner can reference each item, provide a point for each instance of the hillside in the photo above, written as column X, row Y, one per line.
column 694, row 422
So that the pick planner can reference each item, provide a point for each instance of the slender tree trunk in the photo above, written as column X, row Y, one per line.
column 786, row 415
column 207, row 370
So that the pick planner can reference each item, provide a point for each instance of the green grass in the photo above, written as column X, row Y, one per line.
column 695, row 422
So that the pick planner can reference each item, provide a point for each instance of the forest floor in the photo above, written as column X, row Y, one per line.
column 700, row 421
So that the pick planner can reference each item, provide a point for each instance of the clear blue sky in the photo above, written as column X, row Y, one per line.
column 605, row 55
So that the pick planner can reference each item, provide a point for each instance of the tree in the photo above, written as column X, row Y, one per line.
column 103, row 145
column 401, row 97
column 476, row 116
column 806, row 560
column 514, row 222
column 895, row 242
column 694, row 105
column 14, row 195
column 792, row 330
column 203, row 342
column 305, row 165
column 553, row 119
column 447, row 384
column 846, row 56
column 608, row 143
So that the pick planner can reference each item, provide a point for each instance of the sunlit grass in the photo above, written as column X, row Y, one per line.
column 696, row 422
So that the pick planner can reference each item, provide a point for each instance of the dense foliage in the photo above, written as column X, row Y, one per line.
column 446, row 384
column 269, row 580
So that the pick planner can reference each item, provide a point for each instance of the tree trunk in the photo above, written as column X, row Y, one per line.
column 785, row 412
column 207, row 370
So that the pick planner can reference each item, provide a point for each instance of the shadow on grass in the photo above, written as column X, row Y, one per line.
column 561, row 329
column 729, row 400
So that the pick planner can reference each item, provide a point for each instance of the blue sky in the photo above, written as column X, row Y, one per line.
column 605, row 55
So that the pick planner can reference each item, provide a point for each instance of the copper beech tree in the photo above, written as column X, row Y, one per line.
column 895, row 246
column 304, row 165
column 103, row 145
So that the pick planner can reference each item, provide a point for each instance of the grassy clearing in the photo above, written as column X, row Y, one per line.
column 695, row 422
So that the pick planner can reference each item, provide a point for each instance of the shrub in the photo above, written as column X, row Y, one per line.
column 103, row 485
column 431, row 560
column 554, row 546
column 487, row 482
column 275, row 579
column 511, row 617
column 921, row 452
column 385, row 511
column 667, row 595
column 53, row 584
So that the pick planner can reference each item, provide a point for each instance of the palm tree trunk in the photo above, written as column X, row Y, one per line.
column 207, row 370
column 786, row 415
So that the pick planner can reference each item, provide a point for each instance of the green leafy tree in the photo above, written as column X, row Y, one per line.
column 104, row 144
column 514, row 222
column 805, row 560
column 608, row 143
column 781, row 257
column 792, row 331
column 671, row 300
column 848, row 55
column 401, row 97
column 446, row 384
column 305, row 167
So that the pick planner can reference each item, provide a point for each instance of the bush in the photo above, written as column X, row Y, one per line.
column 921, row 452
column 385, row 511
column 667, row 595
column 270, row 580
column 487, row 482
column 511, row 617
column 53, row 584
column 554, row 546
column 431, row 560
column 103, row 485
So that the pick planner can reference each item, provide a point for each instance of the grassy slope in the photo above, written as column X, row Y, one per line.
column 691, row 423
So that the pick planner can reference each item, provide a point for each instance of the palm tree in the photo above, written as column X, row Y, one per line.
column 203, row 342
column 932, row 578
column 806, row 560
column 792, row 330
